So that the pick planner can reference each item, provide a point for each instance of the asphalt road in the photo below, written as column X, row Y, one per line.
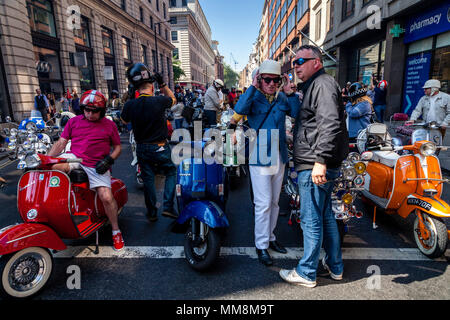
column 375, row 268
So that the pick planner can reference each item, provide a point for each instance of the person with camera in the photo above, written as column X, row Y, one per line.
column 147, row 115
column 91, row 136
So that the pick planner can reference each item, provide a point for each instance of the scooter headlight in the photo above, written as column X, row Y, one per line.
column 354, row 157
column 11, row 145
column 32, row 161
column 13, row 132
column 360, row 167
column 427, row 149
column 349, row 173
column 32, row 138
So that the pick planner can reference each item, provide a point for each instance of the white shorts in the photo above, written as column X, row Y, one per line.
column 95, row 180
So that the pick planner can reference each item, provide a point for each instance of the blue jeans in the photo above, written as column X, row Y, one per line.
column 211, row 117
column 379, row 111
column 318, row 225
column 152, row 162
column 179, row 123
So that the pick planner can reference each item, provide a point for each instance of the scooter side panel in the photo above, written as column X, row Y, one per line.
column 25, row 235
column 205, row 211
column 380, row 179
column 47, row 192
column 405, row 169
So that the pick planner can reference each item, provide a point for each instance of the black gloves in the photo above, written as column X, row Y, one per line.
column 103, row 165
column 159, row 79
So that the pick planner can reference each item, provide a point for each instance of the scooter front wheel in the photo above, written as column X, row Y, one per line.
column 433, row 244
column 25, row 272
column 202, row 253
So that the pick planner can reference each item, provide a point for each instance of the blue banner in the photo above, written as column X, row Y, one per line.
column 428, row 24
column 416, row 73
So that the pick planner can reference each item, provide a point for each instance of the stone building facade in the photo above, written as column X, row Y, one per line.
column 191, row 36
column 60, row 45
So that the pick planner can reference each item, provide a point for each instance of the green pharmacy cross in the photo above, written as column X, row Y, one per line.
column 396, row 31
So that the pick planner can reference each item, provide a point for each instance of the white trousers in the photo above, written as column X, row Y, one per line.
column 266, row 184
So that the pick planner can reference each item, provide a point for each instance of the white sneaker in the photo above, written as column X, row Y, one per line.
column 292, row 276
column 333, row 276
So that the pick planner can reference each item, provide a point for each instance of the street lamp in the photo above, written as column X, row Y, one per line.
column 156, row 45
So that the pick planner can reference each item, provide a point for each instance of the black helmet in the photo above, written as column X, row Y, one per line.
column 138, row 74
column 356, row 90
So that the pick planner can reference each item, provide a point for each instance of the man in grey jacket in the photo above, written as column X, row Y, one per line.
column 213, row 102
column 434, row 105
column 320, row 145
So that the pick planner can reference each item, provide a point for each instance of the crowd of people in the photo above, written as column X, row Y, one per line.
column 325, row 119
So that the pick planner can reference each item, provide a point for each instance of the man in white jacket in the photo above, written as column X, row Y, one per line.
column 213, row 102
column 434, row 105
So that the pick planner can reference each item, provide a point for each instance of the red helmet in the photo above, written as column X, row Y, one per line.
column 93, row 98
column 382, row 84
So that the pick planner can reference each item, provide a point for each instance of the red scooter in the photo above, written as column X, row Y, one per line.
column 53, row 206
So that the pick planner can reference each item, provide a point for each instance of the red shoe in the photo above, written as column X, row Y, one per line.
column 118, row 242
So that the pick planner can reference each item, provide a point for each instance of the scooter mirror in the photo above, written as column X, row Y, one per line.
column 367, row 156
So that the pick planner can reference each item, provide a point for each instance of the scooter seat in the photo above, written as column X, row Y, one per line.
column 78, row 176
column 388, row 158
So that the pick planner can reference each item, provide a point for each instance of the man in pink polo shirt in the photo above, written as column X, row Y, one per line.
column 91, row 136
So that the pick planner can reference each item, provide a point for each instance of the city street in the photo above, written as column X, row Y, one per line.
column 379, row 264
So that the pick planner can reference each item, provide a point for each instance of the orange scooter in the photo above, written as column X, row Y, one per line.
column 410, row 183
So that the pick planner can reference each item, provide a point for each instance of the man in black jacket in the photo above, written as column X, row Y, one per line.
column 320, row 145
column 147, row 117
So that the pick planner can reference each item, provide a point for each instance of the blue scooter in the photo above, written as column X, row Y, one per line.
column 201, row 198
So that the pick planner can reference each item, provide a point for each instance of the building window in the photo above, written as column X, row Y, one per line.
column 164, row 11
column 172, row 3
column 318, row 24
column 168, row 68
column 123, row 5
column 81, row 35
column 165, row 34
column 144, row 54
column 366, row 2
column 174, row 35
column 154, row 60
column 126, row 47
column 48, row 70
column 173, row 20
column 371, row 62
column 330, row 15
column 40, row 14
column 151, row 22
column 157, row 5
column 291, row 21
column 176, row 54
column 141, row 14
column 348, row 8
column 284, row 9
column 107, row 40
column 302, row 7
column 283, row 33
column 184, row 3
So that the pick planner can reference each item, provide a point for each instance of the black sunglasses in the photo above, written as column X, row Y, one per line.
column 96, row 110
column 301, row 61
column 269, row 80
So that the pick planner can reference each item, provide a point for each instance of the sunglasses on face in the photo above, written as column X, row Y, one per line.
column 96, row 110
column 301, row 61
column 269, row 80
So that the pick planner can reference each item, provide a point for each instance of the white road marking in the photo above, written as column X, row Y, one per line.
column 177, row 252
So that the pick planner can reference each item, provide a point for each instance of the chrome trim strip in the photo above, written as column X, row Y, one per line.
column 30, row 235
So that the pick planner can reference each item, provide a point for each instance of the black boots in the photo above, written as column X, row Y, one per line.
column 264, row 257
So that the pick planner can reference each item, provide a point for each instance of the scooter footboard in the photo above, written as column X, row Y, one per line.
column 20, row 236
column 433, row 206
column 205, row 211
